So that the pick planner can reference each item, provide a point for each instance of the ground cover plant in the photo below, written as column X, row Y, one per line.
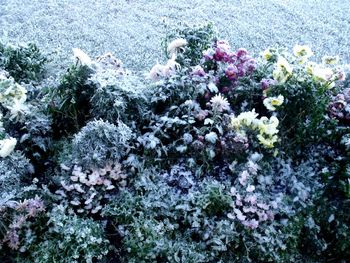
column 213, row 155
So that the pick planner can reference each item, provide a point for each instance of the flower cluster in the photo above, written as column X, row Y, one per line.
column 235, row 64
column 12, row 96
column 88, row 189
column 266, row 128
column 339, row 107
column 160, row 71
column 22, row 212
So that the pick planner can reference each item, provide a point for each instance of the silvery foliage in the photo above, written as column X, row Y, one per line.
column 13, row 170
column 70, row 239
column 100, row 141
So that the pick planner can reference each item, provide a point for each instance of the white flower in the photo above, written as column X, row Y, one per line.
column 247, row 118
column 267, row 55
column 7, row 146
column 250, row 188
column 17, row 109
column 271, row 102
column 211, row 137
column 303, row 52
column 175, row 44
column 282, row 71
column 82, row 57
column 156, row 72
column 323, row 74
column 219, row 103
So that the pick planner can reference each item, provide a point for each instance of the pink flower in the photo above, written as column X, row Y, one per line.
column 253, row 224
column 239, row 214
column 243, row 177
column 250, row 188
column 198, row 71
column 251, row 199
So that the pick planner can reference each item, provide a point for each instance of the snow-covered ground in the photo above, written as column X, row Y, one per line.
column 133, row 29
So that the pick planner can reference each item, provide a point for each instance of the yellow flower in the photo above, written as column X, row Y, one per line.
column 267, row 142
column 247, row 118
column 175, row 44
column 267, row 55
column 282, row 71
column 303, row 52
column 271, row 102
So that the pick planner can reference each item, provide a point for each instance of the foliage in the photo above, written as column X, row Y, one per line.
column 24, row 62
column 213, row 156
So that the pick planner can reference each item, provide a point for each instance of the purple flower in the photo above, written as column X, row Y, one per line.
column 209, row 54
column 250, row 65
column 266, row 83
column 198, row 71
column 242, row 52
column 231, row 72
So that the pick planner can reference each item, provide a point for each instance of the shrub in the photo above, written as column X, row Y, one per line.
column 24, row 62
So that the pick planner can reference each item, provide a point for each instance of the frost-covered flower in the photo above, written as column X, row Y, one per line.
column 211, row 137
column 231, row 72
column 244, row 118
column 82, row 57
column 219, row 103
column 250, row 188
column 198, row 71
column 302, row 51
column 156, row 72
column 322, row 73
column 176, row 44
column 268, row 142
column 271, row 102
column 267, row 54
column 209, row 54
column 7, row 146
column 283, row 70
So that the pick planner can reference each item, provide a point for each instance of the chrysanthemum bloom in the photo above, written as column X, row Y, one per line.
column 219, row 103
column 302, row 52
column 271, row 102
column 231, row 72
column 82, row 57
column 175, row 45
column 282, row 71
column 222, row 51
column 171, row 66
column 7, row 146
column 242, row 52
column 156, row 72
column 250, row 65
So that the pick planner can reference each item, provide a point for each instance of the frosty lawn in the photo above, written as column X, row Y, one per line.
column 133, row 29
